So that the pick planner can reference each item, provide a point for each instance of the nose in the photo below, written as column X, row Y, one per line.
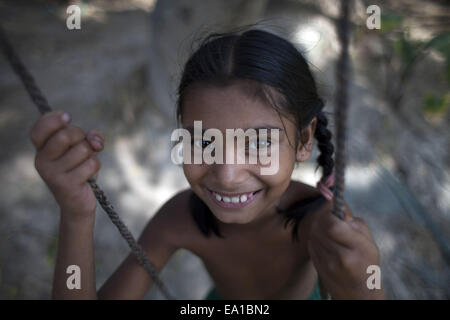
column 229, row 176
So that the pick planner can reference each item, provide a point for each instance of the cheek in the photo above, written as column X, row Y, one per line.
column 278, row 181
column 193, row 173
column 283, row 177
column 286, row 165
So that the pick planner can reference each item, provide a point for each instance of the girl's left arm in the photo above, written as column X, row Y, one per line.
column 342, row 251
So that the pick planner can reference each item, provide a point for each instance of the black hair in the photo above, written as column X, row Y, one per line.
column 281, row 76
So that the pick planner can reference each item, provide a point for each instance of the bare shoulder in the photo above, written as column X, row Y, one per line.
column 304, row 189
column 173, row 221
column 300, row 191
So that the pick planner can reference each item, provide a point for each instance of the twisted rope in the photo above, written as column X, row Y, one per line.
column 341, row 106
column 41, row 102
column 336, row 178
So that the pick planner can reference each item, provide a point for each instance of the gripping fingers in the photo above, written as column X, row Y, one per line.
column 61, row 141
column 95, row 139
column 75, row 156
column 85, row 170
column 46, row 126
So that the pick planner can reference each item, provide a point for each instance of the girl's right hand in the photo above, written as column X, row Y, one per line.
column 66, row 159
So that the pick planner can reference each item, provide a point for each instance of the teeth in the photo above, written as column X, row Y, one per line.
column 243, row 198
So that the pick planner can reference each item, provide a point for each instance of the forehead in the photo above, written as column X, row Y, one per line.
column 229, row 107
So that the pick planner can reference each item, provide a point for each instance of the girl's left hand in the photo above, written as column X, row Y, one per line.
column 341, row 251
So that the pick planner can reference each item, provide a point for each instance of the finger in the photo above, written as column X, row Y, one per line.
column 329, row 246
column 360, row 225
column 96, row 140
column 76, row 155
column 46, row 126
column 340, row 231
column 323, row 249
column 95, row 176
column 347, row 214
column 95, row 144
column 96, row 133
column 62, row 141
column 335, row 255
column 85, row 170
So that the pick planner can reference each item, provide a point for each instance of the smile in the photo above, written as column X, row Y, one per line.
column 234, row 201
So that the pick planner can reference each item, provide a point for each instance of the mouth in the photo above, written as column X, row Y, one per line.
column 233, row 200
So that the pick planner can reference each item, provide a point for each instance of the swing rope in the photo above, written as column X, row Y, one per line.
column 341, row 104
column 41, row 103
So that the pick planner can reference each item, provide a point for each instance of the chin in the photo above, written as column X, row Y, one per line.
column 233, row 217
column 243, row 216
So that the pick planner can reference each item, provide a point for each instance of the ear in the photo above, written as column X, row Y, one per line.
column 303, row 151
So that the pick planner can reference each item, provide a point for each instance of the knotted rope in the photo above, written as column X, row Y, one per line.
column 41, row 103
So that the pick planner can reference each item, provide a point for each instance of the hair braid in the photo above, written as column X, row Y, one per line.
column 326, row 148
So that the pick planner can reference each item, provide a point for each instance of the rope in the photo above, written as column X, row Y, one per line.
column 41, row 103
column 341, row 106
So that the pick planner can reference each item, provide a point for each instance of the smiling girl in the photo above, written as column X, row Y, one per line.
column 259, row 236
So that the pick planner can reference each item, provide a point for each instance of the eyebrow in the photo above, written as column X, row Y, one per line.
column 267, row 127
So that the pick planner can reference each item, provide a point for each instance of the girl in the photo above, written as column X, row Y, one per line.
column 259, row 236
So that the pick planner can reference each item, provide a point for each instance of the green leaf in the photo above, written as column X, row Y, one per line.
column 447, row 70
column 406, row 49
column 441, row 43
column 12, row 292
column 390, row 21
column 433, row 104
column 52, row 247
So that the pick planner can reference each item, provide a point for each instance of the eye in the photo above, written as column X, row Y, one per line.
column 200, row 143
column 256, row 145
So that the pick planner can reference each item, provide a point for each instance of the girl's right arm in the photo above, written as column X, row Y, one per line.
column 66, row 159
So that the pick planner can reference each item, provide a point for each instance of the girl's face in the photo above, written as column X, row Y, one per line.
column 232, row 108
